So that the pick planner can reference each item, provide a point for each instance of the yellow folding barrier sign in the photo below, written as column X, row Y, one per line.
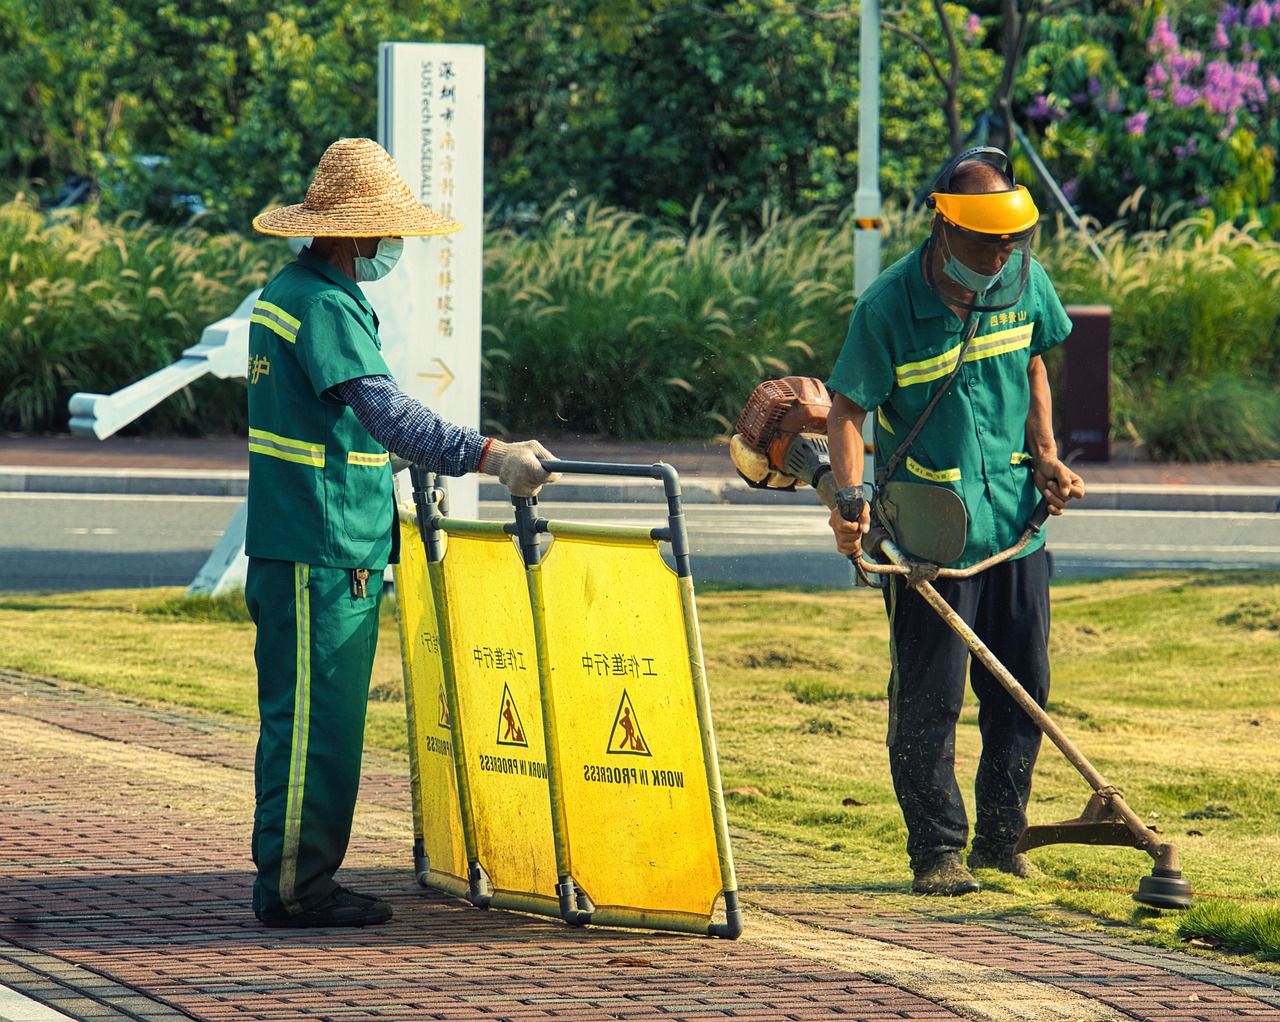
column 585, row 783
column 638, row 833
column 491, row 668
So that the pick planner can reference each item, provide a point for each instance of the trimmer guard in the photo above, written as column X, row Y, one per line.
column 929, row 523
column 1097, row 825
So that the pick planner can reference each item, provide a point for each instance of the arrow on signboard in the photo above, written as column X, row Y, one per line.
column 444, row 376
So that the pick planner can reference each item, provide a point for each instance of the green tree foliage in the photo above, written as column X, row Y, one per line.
column 740, row 101
column 61, row 110
column 238, row 98
column 649, row 106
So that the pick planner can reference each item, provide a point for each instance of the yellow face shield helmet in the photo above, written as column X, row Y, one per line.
column 992, row 216
column 984, row 237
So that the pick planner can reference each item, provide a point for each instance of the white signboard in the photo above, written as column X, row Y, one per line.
column 431, row 121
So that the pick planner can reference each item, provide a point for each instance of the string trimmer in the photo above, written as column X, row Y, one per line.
column 780, row 442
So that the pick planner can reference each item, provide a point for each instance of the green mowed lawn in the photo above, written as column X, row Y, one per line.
column 1165, row 682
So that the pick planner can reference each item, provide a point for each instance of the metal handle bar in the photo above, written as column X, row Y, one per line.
column 879, row 542
column 528, row 523
column 658, row 470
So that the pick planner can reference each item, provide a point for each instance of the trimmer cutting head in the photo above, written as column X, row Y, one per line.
column 1107, row 820
column 1164, row 888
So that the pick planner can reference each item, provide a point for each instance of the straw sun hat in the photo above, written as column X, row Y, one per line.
column 357, row 193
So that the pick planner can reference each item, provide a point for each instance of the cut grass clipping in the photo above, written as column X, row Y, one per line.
column 1165, row 682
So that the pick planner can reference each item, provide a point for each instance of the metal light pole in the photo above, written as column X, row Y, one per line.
column 866, row 200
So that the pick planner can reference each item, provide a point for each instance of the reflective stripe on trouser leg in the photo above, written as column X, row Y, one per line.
column 314, row 651
column 301, row 733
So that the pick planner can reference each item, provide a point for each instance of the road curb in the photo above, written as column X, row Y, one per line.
column 125, row 481
column 695, row 489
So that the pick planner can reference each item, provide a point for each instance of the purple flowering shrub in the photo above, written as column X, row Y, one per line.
column 1159, row 118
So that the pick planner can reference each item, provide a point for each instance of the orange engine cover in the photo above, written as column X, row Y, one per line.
column 779, row 409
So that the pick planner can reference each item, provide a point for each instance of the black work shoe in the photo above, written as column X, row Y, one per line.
column 1014, row 863
column 341, row 908
column 947, row 876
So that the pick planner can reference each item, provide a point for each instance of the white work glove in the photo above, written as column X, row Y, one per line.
column 519, row 466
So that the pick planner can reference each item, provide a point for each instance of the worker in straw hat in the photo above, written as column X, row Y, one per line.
column 325, row 417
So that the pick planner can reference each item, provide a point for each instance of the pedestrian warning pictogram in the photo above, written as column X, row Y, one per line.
column 510, row 730
column 636, row 796
column 626, row 739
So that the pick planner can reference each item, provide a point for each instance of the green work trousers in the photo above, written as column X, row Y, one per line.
column 314, row 652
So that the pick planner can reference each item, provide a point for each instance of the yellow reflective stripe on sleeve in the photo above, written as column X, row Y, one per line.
column 363, row 458
column 884, row 423
column 1021, row 458
column 301, row 735
column 286, row 449
column 987, row 346
column 276, row 320
column 946, row 475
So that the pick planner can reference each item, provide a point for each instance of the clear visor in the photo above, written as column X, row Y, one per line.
column 981, row 257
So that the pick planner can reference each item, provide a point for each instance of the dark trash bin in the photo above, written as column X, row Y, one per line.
column 1084, row 405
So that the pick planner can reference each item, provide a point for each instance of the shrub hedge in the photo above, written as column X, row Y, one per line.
column 596, row 322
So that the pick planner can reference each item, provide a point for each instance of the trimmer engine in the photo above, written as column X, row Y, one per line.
column 780, row 440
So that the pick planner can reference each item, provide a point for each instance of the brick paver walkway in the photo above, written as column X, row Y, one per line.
column 125, row 884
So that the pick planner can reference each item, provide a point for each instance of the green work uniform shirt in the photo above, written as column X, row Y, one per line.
column 320, row 489
column 902, row 345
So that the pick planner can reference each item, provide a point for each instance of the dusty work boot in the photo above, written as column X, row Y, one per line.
column 341, row 908
column 945, row 876
column 1011, row 862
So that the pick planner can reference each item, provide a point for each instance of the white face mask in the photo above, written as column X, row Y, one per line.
column 966, row 276
column 383, row 262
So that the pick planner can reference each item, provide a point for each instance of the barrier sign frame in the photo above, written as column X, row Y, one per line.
column 439, row 848
column 670, row 894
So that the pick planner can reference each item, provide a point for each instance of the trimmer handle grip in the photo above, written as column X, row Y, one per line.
column 850, row 503
column 1039, row 516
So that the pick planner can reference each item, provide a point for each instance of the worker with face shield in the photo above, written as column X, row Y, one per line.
column 944, row 349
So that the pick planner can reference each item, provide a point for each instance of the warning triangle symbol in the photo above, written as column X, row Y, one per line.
column 626, row 739
column 445, row 720
column 510, row 727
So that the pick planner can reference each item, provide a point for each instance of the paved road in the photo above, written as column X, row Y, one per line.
column 779, row 545
column 71, row 541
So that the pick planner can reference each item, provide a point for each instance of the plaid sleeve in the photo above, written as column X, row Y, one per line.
column 409, row 429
